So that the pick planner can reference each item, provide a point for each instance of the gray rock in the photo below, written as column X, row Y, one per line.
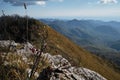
column 61, row 69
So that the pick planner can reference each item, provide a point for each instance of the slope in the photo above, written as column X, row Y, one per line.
column 79, row 56
column 57, row 44
column 94, row 36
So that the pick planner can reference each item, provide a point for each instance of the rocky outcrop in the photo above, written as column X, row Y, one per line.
column 7, row 43
column 61, row 69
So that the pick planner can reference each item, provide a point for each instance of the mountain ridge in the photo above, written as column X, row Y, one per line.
column 99, row 36
column 59, row 44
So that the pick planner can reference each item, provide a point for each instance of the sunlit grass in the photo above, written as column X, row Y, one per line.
column 14, row 67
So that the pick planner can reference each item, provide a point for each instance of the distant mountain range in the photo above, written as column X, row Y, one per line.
column 99, row 37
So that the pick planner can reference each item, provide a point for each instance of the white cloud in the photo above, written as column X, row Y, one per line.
column 42, row 3
column 108, row 1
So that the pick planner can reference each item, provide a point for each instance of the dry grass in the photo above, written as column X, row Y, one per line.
column 79, row 56
column 15, row 68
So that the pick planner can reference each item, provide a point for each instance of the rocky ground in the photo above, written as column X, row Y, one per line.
column 59, row 68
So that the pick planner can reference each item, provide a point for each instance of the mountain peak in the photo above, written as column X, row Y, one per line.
column 57, row 44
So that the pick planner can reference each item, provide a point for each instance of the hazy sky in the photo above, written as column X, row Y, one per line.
column 80, row 9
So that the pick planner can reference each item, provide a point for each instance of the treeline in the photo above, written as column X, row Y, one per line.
column 15, row 28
